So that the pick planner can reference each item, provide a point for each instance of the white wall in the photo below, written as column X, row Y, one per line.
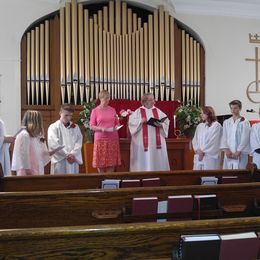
column 227, row 45
column 225, row 39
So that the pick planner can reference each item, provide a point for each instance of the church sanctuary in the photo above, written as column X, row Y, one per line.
column 130, row 129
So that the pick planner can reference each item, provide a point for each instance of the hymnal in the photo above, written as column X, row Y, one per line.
column 210, row 180
column 151, row 182
column 242, row 246
column 144, row 206
column 198, row 247
column 119, row 127
column 205, row 202
column 180, row 204
column 229, row 179
column 110, row 184
column 130, row 183
column 154, row 121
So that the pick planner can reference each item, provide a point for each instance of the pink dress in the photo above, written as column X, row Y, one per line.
column 106, row 144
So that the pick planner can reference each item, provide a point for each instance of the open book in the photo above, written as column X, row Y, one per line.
column 154, row 121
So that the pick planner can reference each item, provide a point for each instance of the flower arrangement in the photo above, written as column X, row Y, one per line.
column 84, row 118
column 188, row 117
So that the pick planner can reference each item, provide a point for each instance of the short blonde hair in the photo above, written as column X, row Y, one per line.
column 145, row 97
column 103, row 93
column 33, row 122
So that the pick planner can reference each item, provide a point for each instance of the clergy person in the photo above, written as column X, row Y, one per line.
column 5, row 141
column 235, row 138
column 148, row 151
column 255, row 144
column 206, row 142
column 65, row 133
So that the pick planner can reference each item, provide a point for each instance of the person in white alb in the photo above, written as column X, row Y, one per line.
column 255, row 144
column 235, row 138
column 65, row 133
column 206, row 142
column 5, row 141
column 148, row 151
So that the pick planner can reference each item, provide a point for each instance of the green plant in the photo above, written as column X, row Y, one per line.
column 84, row 118
column 188, row 117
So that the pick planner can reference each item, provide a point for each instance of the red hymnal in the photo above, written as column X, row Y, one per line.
column 243, row 246
column 144, row 206
column 130, row 183
column 151, row 182
column 180, row 204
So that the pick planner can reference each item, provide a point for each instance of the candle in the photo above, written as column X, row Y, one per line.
column 174, row 121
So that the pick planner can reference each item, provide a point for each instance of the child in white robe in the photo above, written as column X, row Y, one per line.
column 5, row 141
column 30, row 153
column 255, row 144
column 235, row 138
column 65, row 133
column 206, row 142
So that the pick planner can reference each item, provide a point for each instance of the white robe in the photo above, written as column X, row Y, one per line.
column 236, row 137
column 208, row 140
column 154, row 159
column 71, row 138
column 28, row 153
column 4, row 151
column 255, row 143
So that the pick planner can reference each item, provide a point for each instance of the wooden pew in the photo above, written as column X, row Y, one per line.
column 124, row 241
column 93, row 181
column 81, row 207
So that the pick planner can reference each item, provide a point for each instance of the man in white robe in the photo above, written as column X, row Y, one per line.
column 235, row 139
column 65, row 133
column 255, row 144
column 5, row 142
column 207, row 140
column 148, row 151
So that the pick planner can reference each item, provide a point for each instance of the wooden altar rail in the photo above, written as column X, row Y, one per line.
column 93, row 181
column 79, row 207
column 179, row 150
column 124, row 241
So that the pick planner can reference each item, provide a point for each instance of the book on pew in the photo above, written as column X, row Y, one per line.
column 130, row 183
column 180, row 204
column 151, row 182
column 110, row 184
column 229, row 179
column 209, row 180
column 162, row 208
column 154, row 121
column 242, row 246
column 145, row 206
column 199, row 247
column 205, row 202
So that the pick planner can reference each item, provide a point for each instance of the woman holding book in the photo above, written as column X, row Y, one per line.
column 148, row 126
column 206, row 142
column 104, row 122
column 30, row 153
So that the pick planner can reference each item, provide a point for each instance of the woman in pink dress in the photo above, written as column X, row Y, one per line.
column 30, row 153
column 104, row 122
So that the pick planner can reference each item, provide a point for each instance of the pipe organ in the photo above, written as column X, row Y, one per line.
column 112, row 47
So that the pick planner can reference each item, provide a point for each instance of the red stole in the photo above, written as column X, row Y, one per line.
column 145, row 130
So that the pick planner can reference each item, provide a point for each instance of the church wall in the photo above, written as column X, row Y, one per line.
column 225, row 39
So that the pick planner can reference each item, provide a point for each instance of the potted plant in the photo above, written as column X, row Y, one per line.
column 188, row 116
column 84, row 118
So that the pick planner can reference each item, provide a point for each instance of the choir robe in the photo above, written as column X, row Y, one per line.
column 30, row 153
column 71, row 138
column 255, row 143
column 4, row 151
column 236, row 137
column 208, row 140
column 153, row 159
